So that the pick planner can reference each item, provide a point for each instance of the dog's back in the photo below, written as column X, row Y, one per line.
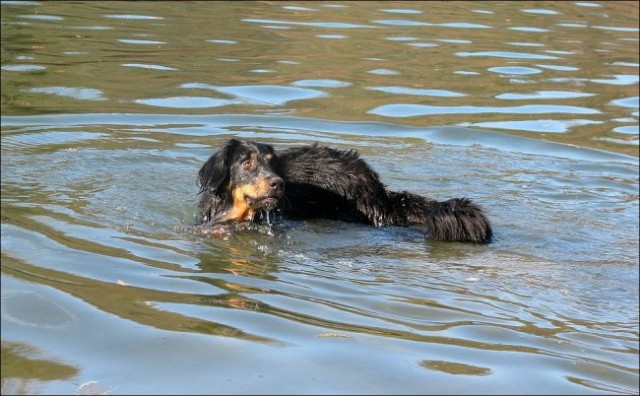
column 322, row 182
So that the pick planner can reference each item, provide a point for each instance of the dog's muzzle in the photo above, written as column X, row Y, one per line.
column 270, row 200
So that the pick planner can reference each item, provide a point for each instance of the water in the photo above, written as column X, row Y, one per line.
column 110, row 108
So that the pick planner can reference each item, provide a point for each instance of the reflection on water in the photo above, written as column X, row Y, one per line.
column 109, row 109
column 150, row 56
column 21, row 373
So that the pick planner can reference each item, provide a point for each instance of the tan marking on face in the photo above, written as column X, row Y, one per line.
column 241, row 211
column 262, row 188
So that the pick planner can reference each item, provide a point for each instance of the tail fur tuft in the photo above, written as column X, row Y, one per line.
column 459, row 220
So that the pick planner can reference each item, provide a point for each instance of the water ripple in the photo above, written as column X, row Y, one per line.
column 71, row 92
column 520, row 44
column 587, row 4
column 296, row 8
column 544, row 95
column 141, row 42
column 152, row 67
column 404, row 22
column 617, row 28
column 384, row 72
column 336, row 25
column 43, row 17
column 627, row 129
column 223, row 41
column 401, row 38
column 131, row 16
column 631, row 102
column 20, row 3
column 412, row 110
column 402, row 11
column 559, row 68
column 423, row 45
column 416, row 91
column 529, row 29
column 540, row 11
column 325, row 83
column 505, row 54
column 400, row 22
column 542, row 126
column 185, row 102
column 620, row 79
column 23, row 68
column 332, row 36
column 514, row 70
column 270, row 95
column 34, row 139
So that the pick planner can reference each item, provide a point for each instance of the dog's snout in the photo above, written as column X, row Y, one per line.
column 276, row 183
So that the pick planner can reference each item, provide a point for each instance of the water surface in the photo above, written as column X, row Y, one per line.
column 529, row 108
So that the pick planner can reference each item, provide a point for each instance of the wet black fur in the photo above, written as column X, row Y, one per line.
column 322, row 182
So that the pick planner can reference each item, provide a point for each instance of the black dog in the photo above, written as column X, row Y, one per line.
column 245, row 179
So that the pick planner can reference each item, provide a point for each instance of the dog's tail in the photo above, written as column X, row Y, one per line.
column 459, row 219
column 455, row 220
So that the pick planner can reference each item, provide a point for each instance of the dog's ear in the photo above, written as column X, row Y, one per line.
column 215, row 171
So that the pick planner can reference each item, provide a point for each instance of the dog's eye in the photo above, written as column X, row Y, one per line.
column 268, row 157
column 247, row 165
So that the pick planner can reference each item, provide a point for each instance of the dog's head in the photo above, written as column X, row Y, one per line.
column 242, row 174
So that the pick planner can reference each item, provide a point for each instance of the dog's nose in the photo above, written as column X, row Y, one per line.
column 276, row 183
